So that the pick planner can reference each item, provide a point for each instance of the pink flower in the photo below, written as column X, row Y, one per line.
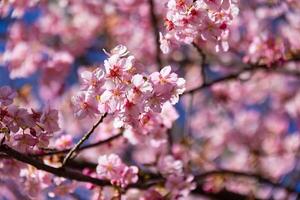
column 6, row 96
column 18, row 118
column 169, row 114
column 164, row 44
column 64, row 142
column 168, row 165
column 85, row 104
column 112, row 168
column 179, row 185
column 24, row 142
column 112, row 98
column 49, row 119
column 93, row 80
column 129, row 175
column 141, row 89
column 117, row 68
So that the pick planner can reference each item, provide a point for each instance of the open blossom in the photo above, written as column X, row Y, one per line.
column 18, row 118
column 168, row 165
column 141, row 88
column 85, row 104
column 49, row 120
column 118, row 68
column 6, row 96
column 24, row 142
column 64, row 142
column 93, row 80
column 188, row 21
column 180, row 185
column 112, row 168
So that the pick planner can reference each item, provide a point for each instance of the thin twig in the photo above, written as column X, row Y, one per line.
column 155, row 27
column 82, row 140
column 170, row 140
column 189, row 109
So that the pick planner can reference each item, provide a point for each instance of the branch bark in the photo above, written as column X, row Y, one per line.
column 152, row 179
column 257, row 177
column 82, row 140
column 61, row 172
column 155, row 28
column 203, row 62
column 237, row 74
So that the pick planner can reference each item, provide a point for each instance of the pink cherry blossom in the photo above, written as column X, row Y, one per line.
column 85, row 104
column 112, row 168
column 6, row 96
column 49, row 119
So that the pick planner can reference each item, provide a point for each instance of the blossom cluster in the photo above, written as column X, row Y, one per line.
column 26, row 130
column 112, row 168
column 189, row 21
column 124, row 93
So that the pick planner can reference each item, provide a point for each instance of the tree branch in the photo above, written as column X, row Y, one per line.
column 257, row 177
column 82, row 140
column 61, row 172
column 203, row 62
column 155, row 28
column 237, row 74
column 146, row 179
column 222, row 194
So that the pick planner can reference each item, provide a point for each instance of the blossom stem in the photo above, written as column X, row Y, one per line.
column 82, row 140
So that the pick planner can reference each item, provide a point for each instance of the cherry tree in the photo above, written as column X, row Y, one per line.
column 149, row 99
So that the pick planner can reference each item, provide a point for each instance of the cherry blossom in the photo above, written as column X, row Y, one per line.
column 112, row 168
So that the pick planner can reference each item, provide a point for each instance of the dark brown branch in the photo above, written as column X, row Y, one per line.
column 99, row 143
column 257, row 177
column 200, row 177
column 203, row 62
column 61, row 172
column 69, row 173
column 222, row 195
column 144, row 183
column 237, row 74
column 155, row 28
column 82, row 140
